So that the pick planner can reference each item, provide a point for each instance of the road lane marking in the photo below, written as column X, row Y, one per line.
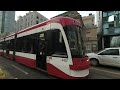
column 106, row 71
column 20, row 69
column 15, row 78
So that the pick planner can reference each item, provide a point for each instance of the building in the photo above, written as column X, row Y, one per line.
column 72, row 14
column 108, row 29
column 28, row 20
column 89, row 21
column 90, row 31
column 7, row 22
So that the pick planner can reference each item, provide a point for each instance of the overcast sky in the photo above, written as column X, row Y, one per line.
column 49, row 14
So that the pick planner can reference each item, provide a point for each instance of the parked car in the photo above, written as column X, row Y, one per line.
column 108, row 56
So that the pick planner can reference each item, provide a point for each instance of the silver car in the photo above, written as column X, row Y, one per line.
column 108, row 56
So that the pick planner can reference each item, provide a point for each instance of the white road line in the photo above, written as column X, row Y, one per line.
column 15, row 78
column 105, row 71
column 20, row 69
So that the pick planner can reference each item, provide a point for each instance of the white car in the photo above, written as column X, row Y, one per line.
column 108, row 56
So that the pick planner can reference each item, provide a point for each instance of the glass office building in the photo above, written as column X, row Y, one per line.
column 109, row 29
column 7, row 21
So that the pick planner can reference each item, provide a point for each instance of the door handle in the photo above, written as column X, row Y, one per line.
column 115, row 57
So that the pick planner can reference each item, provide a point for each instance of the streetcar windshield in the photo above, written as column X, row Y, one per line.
column 75, row 41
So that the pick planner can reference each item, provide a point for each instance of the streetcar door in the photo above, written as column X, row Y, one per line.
column 57, row 59
column 41, row 52
column 7, row 48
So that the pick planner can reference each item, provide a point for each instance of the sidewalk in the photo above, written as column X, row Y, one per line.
column 4, row 74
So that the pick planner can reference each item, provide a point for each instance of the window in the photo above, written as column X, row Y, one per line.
column 111, row 25
column 41, row 19
column 37, row 22
column 116, row 12
column 105, row 19
column 26, row 44
column 37, row 17
column 59, row 44
column 19, row 44
column 87, row 32
column 32, row 17
column 110, row 13
column 88, row 38
column 28, row 18
column 104, row 14
column 75, row 40
column 25, row 25
column 28, row 23
column 111, row 18
column 1, row 45
column 110, row 52
column 105, row 25
column 20, row 27
column 67, row 15
column 88, row 47
column 115, row 41
column 55, row 42
column 31, row 22
column 11, row 45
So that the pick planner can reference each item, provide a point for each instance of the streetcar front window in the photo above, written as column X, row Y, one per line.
column 74, row 37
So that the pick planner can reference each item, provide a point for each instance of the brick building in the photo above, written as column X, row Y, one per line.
column 90, row 31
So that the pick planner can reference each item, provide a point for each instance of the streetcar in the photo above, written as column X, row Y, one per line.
column 54, row 46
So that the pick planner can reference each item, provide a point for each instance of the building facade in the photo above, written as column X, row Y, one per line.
column 7, row 22
column 28, row 20
column 89, row 21
column 90, row 31
column 108, row 29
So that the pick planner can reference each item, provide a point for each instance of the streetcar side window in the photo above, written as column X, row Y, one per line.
column 19, row 44
column 58, row 43
column 55, row 42
column 1, row 45
column 10, row 45
column 27, row 44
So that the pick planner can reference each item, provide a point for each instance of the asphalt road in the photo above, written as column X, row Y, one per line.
column 104, row 72
column 18, row 71
column 15, row 70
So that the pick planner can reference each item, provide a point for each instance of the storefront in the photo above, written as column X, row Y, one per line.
column 110, row 30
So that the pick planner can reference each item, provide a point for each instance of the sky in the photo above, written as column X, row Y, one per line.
column 50, row 14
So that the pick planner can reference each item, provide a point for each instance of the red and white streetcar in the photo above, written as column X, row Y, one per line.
column 54, row 46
